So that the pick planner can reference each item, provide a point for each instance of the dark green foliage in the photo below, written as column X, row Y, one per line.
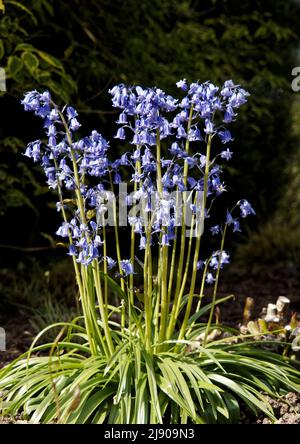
column 78, row 52
column 27, row 65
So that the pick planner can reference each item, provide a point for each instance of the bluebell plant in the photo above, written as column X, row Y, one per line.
column 160, row 190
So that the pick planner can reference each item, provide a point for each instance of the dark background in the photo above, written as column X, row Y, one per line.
column 79, row 50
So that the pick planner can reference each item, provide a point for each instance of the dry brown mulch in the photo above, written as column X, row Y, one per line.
column 263, row 284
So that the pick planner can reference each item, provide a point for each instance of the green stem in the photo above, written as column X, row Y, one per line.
column 79, row 276
column 90, row 313
column 147, row 294
column 163, row 253
column 172, row 266
column 96, row 274
column 201, row 294
column 215, row 288
column 164, row 311
column 102, row 308
column 132, row 244
column 158, row 164
column 118, row 250
column 182, row 239
column 105, row 264
column 198, row 241
column 177, row 301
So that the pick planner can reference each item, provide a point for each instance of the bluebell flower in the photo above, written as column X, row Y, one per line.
column 226, row 154
column 175, row 149
column 74, row 124
column 231, row 221
column 63, row 230
column 209, row 127
column 81, row 258
column 225, row 136
column 45, row 161
column 182, row 84
column 51, row 130
column 136, row 222
column 28, row 151
column 192, row 182
column 39, row 103
column 224, row 258
column 98, row 241
column 93, row 252
column 217, row 257
column 83, row 243
column 111, row 263
column 185, row 103
column 64, row 166
column 200, row 265
column 171, row 231
column 238, row 98
column 192, row 161
column 165, row 240
column 31, row 101
column 51, row 177
column 236, row 226
column 215, row 230
column 36, row 150
column 229, row 218
column 227, row 89
column 181, row 132
column 194, row 135
column 71, row 113
column 93, row 225
column 245, row 208
column 136, row 139
column 53, row 116
column 177, row 121
column 143, row 243
column 167, row 181
column 229, row 114
column 136, row 155
column 122, row 118
column 126, row 267
column 193, row 208
column 52, row 141
column 217, row 185
column 202, row 159
column 165, row 163
column 177, row 180
column 117, row 178
column 209, row 278
column 72, row 250
column 120, row 134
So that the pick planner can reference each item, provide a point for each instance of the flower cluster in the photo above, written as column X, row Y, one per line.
column 64, row 160
column 217, row 259
column 149, row 118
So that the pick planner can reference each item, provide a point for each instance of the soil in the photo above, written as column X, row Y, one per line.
column 19, row 334
column 264, row 285
column 287, row 410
